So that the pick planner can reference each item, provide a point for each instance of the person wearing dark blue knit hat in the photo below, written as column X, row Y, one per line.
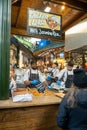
column 72, row 113
column 80, row 78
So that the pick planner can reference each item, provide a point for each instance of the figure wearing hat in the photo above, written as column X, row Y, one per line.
column 72, row 113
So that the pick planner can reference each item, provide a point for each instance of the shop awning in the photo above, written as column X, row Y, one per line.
column 22, row 46
column 24, row 42
column 48, row 47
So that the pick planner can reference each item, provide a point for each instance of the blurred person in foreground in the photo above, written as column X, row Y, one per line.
column 72, row 113
column 33, row 76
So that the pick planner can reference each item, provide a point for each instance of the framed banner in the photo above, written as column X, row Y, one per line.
column 45, row 24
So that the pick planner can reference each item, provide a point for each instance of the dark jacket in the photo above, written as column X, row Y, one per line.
column 73, row 118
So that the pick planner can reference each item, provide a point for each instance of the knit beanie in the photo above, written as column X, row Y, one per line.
column 80, row 78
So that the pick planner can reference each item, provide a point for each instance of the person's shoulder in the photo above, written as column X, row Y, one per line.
column 27, row 71
column 39, row 71
column 64, row 101
column 63, row 70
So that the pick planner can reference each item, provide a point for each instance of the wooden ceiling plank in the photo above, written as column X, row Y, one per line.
column 75, row 21
column 85, row 1
column 65, row 12
column 70, row 17
column 18, row 31
column 14, row 15
column 35, row 4
column 79, row 5
column 19, row 14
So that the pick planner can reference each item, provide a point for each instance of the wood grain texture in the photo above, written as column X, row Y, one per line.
column 29, row 118
column 37, row 101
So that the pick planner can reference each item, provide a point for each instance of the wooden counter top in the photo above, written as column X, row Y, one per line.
column 37, row 101
column 38, row 114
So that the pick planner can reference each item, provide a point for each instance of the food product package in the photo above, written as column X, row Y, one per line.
column 21, row 95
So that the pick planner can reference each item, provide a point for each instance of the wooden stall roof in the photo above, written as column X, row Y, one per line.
column 74, row 12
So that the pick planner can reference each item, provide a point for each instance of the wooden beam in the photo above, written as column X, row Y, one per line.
column 19, row 15
column 25, row 4
column 71, row 3
column 18, row 31
column 74, row 21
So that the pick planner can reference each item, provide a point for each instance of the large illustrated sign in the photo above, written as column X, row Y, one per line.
column 46, row 24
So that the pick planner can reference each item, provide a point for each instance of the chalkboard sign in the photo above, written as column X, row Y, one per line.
column 45, row 24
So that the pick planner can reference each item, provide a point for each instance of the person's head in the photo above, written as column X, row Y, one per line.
column 34, row 64
column 79, row 83
column 12, row 73
column 69, row 65
column 80, row 78
column 55, row 64
column 41, row 68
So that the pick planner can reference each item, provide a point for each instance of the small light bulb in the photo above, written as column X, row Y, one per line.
column 63, row 7
column 47, row 9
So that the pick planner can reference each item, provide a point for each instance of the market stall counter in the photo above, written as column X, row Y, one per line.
column 38, row 114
